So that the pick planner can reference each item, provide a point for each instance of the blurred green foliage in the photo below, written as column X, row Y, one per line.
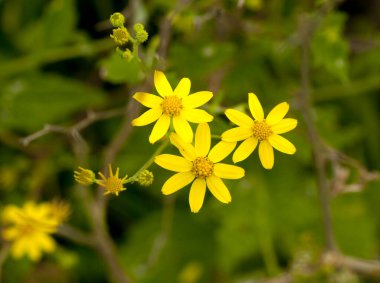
column 54, row 68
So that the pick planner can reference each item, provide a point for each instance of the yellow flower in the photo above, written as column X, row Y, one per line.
column 113, row 184
column 199, row 166
column 28, row 229
column 177, row 106
column 266, row 131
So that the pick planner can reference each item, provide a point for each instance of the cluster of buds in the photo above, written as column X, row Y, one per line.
column 122, row 37
column 113, row 184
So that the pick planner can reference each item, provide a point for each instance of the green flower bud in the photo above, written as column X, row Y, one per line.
column 120, row 35
column 140, row 32
column 145, row 178
column 117, row 20
column 127, row 54
column 137, row 27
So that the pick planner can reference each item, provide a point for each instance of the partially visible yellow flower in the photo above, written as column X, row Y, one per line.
column 263, row 131
column 84, row 176
column 177, row 106
column 59, row 210
column 199, row 166
column 113, row 184
column 28, row 229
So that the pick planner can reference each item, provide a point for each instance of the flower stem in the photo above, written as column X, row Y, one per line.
column 149, row 161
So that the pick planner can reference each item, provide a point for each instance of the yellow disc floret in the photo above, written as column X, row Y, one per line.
column 202, row 167
column 261, row 130
column 172, row 105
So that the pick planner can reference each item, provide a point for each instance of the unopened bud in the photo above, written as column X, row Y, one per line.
column 145, row 178
column 117, row 20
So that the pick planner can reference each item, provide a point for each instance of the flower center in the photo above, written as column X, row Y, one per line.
column 261, row 130
column 172, row 105
column 114, row 185
column 202, row 167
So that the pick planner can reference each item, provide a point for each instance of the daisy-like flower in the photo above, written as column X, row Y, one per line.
column 28, row 229
column 199, row 166
column 260, row 130
column 177, row 106
column 113, row 184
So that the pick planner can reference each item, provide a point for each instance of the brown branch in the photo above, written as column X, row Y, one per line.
column 323, row 155
column 74, row 130
column 75, row 235
column 306, row 28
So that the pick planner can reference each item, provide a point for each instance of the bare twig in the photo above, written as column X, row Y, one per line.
column 76, row 235
column 73, row 131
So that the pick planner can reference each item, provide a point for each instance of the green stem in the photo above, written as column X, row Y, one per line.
column 149, row 162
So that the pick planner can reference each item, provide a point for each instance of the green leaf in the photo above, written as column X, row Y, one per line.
column 118, row 70
column 29, row 103
column 55, row 28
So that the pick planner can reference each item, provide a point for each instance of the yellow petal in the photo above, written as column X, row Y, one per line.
column 183, row 129
column 202, row 139
column 148, row 100
column 197, row 99
column 245, row 149
column 160, row 128
column 277, row 113
column 162, row 85
column 19, row 247
column 285, row 125
column 183, row 88
column 237, row 134
column 226, row 171
column 46, row 243
column 197, row 116
column 255, row 107
column 282, row 144
column 148, row 117
column 197, row 195
column 221, row 150
column 239, row 118
column 186, row 149
column 266, row 154
column 173, row 163
column 176, row 182
column 218, row 189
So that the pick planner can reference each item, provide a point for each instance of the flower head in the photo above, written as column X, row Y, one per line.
column 176, row 106
column 84, row 176
column 113, row 184
column 199, row 166
column 120, row 35
column 264, row 132
column 28, row 229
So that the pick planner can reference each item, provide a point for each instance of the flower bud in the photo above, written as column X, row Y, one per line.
column 117, row 20
column 140, row 32
column 84, row 176
column 145, row 178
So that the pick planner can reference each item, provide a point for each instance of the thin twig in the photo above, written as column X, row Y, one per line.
column 76, row 235
column 74, row 130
